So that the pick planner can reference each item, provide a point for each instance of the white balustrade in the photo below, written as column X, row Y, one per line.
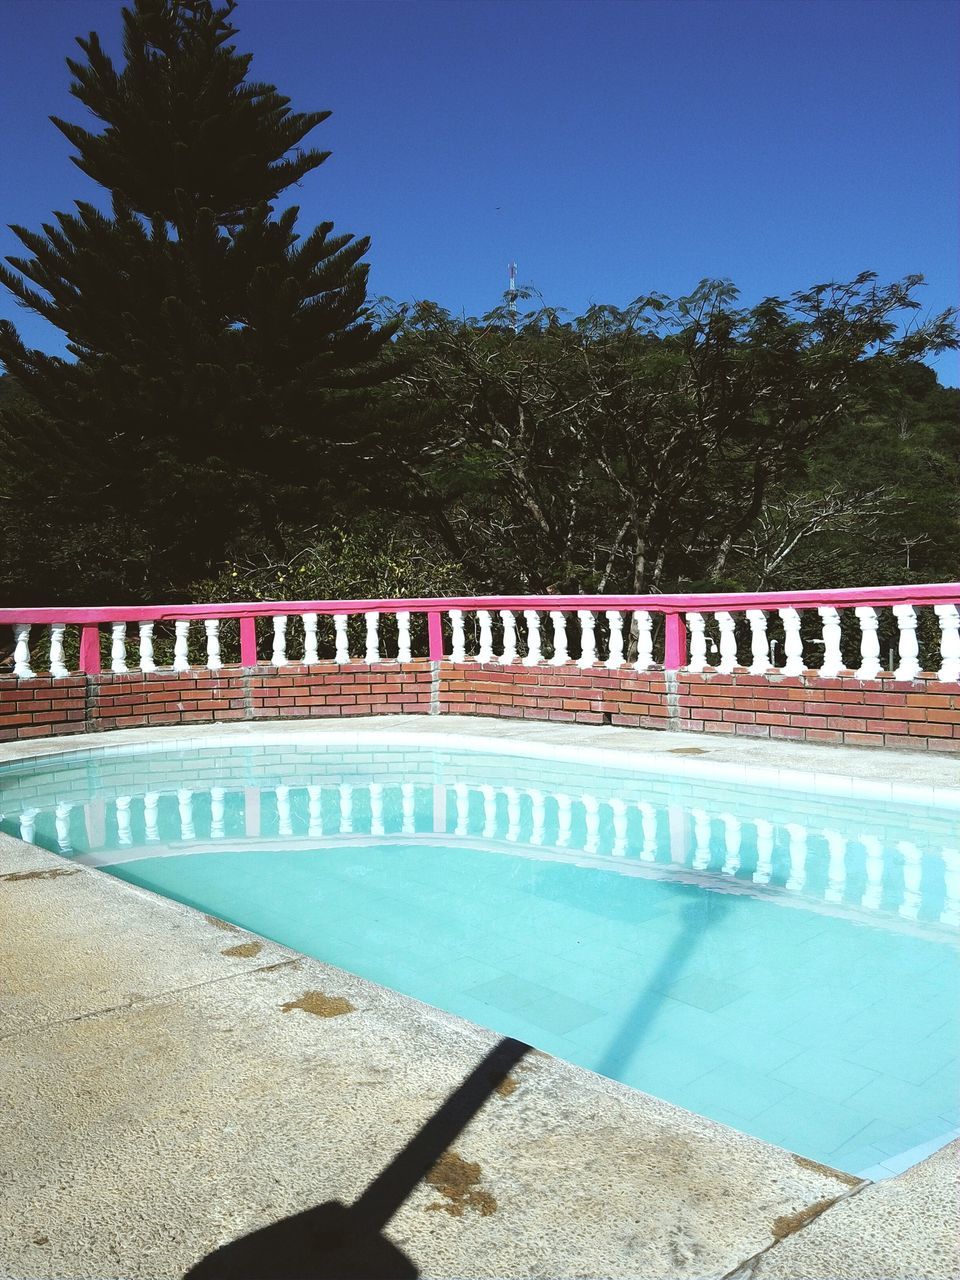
column 644, row 624
column 212, row 628
column 118, row 647
column 909, row 667
column 21, row 651
column 792, row 643
column 648, row 823
column 489, row 811
column 62, row 822
column 485, row 651
column 284, row 823
column 376, row 809
column 560, row 654
column 759, row 645
column 538, row 814
column 509, row 654
column 461, row 796
column 702, row 853
column 764, row 867
column 949, row 619
column 310, row 652
column 832, row 663
column 534, row 653
column 346, row 808
column 218, row 811
column 909, row 908
column 797, row 852
column 618, row 808
column 513, row 814
column 698, row 642
column 279, row 655
column 151, row 815
column 371, row 654
column 57, row 668
column 314, row 811
column 124, row 834
column 615, row 644
column 728, row 642
column 458, row 649
column 147, row 662
column 403, row 636
column 950, row 914
column 185, row 810
column 408, row 811
column 732, row 840
column 836, row 866
column 181, row 642
column 588, row 640
column 874, row 870
column 341, row 639
column 870, row 666
column 28, row 820
column 591, row 806
column 564, row 820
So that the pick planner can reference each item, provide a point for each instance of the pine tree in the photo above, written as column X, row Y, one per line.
column 214, row 355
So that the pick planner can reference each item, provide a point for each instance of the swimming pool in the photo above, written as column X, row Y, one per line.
column 781, row 959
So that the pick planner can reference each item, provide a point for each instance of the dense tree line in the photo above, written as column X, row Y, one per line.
column 235, row 418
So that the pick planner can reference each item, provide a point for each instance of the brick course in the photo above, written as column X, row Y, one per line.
column 922, row 714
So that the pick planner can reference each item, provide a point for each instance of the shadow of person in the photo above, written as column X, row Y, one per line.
column 334, row 1241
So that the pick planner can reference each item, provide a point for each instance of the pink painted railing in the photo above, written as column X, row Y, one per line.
column 780, row 631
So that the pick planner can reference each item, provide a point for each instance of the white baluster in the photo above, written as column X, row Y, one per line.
column 181, row 661
column 28, row 821
column 836, row 866
column 874, row 868
column 951, row 877
column 513, row 813
column 403, row 636
column 185, row 808
column 372, row 653
column 564, row 820
column 217, row 813
column 310, row 653
column 912, row 876
column 458, row 650
column 588, row 641
column 279, row 655
column 151, row 807
column 618, row 807
column 560, row 654
column 644, row 624
column 118, row 647
column 832, row 663
column 870, row 666
column 759, row 646
column 376, row 809
column 792, row 642
column 592, row 809
column 62, row 814
column 146, row 647
column 698, row 642
column 408, row 821
column 212, row 627
column 538, row 811
column 648, row 822
column 314, row 811
column 702, row 853
column 949, row 620
column 728, row 641
column 284, row 824
column 57, row 668
column 509, row 637
column 764, row 868
column 124, row 836
column 21, row 651
column 732, row 839
column 485, row 653
column 341, row 639
column 489, row 811
column 461, row 795
column 615, row 647
column 797, row 852
column 346, row 808
column 909, row 667
column 534, row 654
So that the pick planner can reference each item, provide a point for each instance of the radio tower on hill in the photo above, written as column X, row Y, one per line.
column 512, row 294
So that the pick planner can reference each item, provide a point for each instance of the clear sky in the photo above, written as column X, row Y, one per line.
column 613, row 147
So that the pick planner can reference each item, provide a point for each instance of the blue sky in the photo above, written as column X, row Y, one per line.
column 613, row 147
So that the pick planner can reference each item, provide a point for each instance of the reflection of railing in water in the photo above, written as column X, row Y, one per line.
column 860, row 872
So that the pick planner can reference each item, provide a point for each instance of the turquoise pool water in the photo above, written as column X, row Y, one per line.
column 783, row 961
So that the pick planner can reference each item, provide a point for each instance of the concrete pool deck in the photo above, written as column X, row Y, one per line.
column 173, row 1085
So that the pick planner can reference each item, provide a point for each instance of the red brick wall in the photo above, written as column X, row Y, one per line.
column 921, row 714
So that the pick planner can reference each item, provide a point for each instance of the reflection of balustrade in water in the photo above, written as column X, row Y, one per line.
column 848, row 871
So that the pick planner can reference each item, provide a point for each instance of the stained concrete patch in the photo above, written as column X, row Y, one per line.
column 458, row 1181
column 320, row 1005
column 51, row 873
column 904, row 1228
column 244, row 950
